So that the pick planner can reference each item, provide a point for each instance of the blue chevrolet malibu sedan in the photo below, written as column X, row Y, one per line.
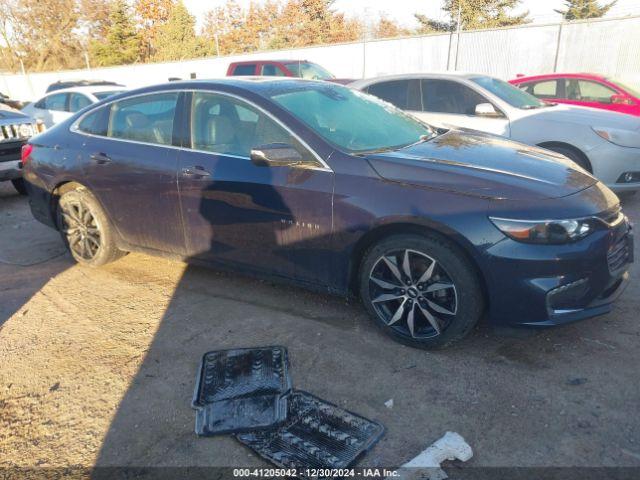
column 338, row 191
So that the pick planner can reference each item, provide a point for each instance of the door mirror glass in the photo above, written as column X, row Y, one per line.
column 618, row 99
column 486, row 110
column 275, row 155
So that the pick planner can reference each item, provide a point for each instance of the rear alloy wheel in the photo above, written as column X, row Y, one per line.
column 421, row 290
column 85, row 229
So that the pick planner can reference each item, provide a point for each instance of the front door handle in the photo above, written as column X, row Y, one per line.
column 101, row 158
column 195, row 171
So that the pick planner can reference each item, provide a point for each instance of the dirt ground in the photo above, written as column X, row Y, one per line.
column 97, row 366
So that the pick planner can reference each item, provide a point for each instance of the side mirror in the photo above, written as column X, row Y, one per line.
column 486, row 110
column 275, row 155
column 618, row 99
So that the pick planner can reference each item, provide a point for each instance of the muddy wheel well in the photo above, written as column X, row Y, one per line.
column 379, row 233
column 60, row 190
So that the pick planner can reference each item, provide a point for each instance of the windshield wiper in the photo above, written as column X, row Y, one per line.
column 422, row 139
column 535, row 107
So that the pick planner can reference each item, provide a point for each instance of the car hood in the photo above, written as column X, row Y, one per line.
column 482, row 165
column 592, row 117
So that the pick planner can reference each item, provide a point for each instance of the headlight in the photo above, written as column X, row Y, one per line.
column 623, row 138
column 546, row 231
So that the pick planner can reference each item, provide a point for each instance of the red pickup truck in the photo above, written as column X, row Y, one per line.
column 284, row 68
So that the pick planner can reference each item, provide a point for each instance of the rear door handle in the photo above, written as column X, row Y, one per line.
column 101, row 158
column 195, row 171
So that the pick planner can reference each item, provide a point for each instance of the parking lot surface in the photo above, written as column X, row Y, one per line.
column 98, row 366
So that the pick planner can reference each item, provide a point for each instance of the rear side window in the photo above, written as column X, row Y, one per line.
column 95, row 123
column 404, row 94
column 78, row 101
column 247, row 69
column 56, row 102
column 147, row 119
column 271, row 70
column 444, row 96
column 546, row 89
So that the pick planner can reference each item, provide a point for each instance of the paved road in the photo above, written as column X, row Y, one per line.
column 97, row 366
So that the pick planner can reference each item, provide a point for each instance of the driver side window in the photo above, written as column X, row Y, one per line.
column 224, row 125
column 445, row 96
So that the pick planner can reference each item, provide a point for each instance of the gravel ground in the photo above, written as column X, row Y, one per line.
column 97, row 366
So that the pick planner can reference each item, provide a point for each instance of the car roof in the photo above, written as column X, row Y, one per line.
column 550, row 76
column 261, row 85
column 270, row 60
column 88, row 89
column 412, row 76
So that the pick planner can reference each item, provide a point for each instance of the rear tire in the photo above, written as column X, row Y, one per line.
column 421, row 290
column 86, row 230
column 18, row 184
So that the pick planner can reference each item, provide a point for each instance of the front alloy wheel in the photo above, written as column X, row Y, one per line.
column 412, row 293
column 421, row 289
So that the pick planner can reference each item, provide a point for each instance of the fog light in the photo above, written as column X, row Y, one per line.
column 568, row 297
column 629, row 177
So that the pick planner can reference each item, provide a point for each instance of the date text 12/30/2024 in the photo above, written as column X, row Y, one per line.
column 315, row 473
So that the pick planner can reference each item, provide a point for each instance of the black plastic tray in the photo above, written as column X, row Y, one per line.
column 241, row 390
column 316, row 435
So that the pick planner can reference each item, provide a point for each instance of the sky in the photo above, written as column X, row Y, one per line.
column 541, row 11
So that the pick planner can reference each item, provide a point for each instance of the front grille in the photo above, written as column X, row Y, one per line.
column 619, row 254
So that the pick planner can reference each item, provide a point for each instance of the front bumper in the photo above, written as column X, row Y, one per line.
column 548, row 285
column 610, row 162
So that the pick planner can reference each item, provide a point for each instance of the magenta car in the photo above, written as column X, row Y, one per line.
column 584, row 89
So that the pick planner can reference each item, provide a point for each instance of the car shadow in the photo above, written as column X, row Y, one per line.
column 336, row 353
column 30, row 253
column 212, row 310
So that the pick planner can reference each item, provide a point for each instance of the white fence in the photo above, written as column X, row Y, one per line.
column 608, row 46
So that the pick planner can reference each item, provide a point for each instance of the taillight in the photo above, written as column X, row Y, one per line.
column 27, row 148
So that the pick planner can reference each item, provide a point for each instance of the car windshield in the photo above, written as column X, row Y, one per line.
column 103, row 95
column 633, row 89
column 351, row 120
column 510, row 94
column 308, row 70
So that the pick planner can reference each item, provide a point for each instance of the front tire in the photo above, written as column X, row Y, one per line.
column 572, row 155
column 18, row 184
column 421, row 290
column 86, row 230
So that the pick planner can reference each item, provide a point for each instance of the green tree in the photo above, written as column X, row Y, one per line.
column 177, row 38
column 475, row 15
column 121, row 44
column 581, row 9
